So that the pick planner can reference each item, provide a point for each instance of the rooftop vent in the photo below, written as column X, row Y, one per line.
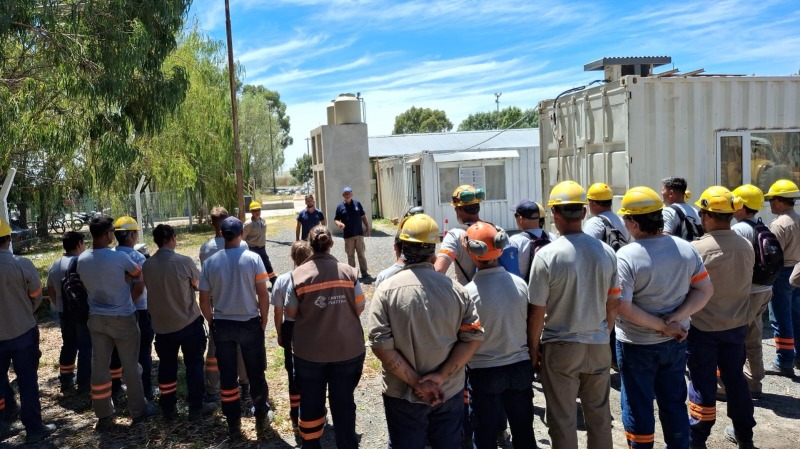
column 615, row 68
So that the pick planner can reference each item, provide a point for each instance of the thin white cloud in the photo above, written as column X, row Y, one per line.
column 297, row 75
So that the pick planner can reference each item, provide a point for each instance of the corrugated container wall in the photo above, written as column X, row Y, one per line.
column 636, row 131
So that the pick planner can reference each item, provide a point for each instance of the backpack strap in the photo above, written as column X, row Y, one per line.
column 455, row 259
column 681, row 215
column 73, row 266
column 607, row 224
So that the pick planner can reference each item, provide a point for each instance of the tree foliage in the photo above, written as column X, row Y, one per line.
column 79, row 82
column 421, row 120
column 263, row 133
column 195, row 147
column 510, row 117
column 302, row 170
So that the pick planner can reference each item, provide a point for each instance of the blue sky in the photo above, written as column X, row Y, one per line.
column 455, row 54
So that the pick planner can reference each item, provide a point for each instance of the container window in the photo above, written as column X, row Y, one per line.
column 491, row 177
column 731, row 161
column 774, row 156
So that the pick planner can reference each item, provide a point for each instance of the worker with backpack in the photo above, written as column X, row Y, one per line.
column 521, row 248
column 604, row 224
column 607, row 227
column 769, row 262
column 680, row 219
column 785, row 301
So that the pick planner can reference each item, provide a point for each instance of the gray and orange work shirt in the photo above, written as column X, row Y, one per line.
column 329, row 300
column 422, row 314
column 729, row 260
column 22, row 289
column 171, row 279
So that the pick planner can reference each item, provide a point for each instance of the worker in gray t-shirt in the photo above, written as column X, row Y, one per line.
column 663, row 282
column 573, row 291
column 501, row 299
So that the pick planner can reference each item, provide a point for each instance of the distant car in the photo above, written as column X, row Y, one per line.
column 21, row 238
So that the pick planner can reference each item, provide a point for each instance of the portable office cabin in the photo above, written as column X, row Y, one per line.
column 637, row 130
column 424, row 169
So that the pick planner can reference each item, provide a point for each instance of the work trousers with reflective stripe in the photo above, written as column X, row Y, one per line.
column 571, row 371
column 75, row 342
column 191, row 340
column 706, row 352
column 648, row 372
column 24, row 352
column 287, row 332
column 784, row 315
column 249, row 336
column 212, row 369
column 115, row 371
column 122, row 332
column 262, row 252
column 340, row 379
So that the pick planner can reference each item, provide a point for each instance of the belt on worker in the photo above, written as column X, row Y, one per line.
column 258, row 247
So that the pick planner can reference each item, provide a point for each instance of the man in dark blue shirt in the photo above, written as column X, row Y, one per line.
column 307, row 219
column 349, row 218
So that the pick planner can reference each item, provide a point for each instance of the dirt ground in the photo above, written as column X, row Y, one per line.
column 776, row 414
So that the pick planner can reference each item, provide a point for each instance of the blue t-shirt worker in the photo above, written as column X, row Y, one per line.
column 308, row 218
column 349, row 218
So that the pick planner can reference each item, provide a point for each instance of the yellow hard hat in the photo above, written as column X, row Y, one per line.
column 5, row 228
column 599, row 192
column 255, row 205
column 784, row 189
column 420, row 228
column 567, row 192
column 464, row 195
column 126, row 223
column 719, row 199
column 639, row 201
column 752, row 196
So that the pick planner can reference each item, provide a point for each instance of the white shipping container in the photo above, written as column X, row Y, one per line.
column 711, row 130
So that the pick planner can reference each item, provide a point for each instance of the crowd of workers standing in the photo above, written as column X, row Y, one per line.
column 656, row 290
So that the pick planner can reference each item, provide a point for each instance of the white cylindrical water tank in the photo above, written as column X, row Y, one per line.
column 331, row 113
column 347, row 108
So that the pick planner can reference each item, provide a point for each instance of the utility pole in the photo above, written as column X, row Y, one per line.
column 497, row 102
column 237, row 151
column 272, row 150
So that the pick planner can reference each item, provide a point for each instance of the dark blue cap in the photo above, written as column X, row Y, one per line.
column 231, row 227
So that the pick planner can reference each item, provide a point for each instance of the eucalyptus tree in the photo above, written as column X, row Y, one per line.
column 79, row 80
column 264, row 133
column 193, row 149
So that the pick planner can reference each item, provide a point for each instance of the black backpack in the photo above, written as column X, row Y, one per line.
column 612, row 236
column 769, row 254
column 688, row 229
column 74, row 296
column 537, row 243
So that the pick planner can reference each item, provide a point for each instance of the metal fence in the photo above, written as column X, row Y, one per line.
column 175, row 207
